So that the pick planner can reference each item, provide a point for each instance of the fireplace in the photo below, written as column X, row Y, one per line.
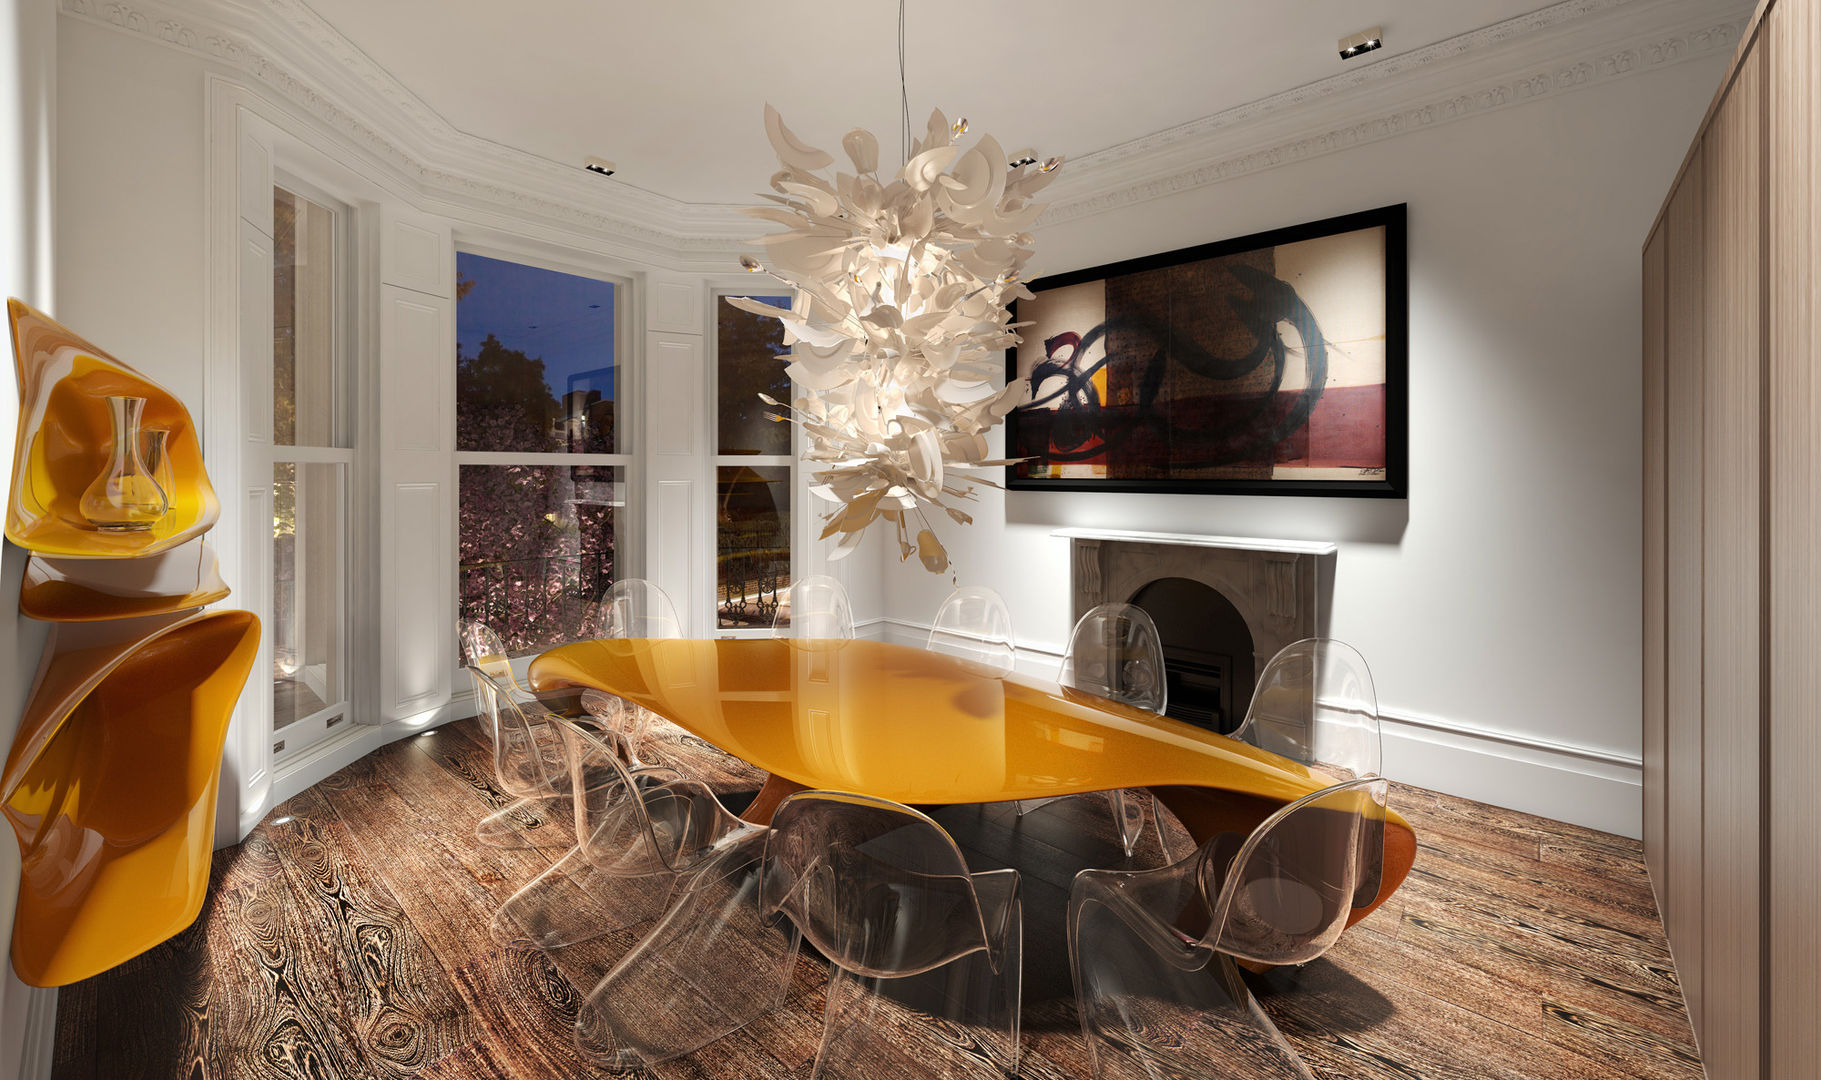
column 1207, row 651
column 1224, row 606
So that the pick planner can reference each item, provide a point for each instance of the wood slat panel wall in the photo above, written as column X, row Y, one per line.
column 1731, row 639
column 1653, row 560
column 1682, row 235
column 1792, row 48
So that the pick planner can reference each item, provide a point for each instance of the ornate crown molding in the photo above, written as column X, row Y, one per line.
column 285, row 47
column 1435, row 88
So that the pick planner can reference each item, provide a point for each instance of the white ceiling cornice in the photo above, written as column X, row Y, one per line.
column 287, row 48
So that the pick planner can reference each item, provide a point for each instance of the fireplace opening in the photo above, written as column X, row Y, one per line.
column 1208, row 654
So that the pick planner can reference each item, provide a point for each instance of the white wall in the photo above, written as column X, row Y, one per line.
column 1502, row 599
column 28, row 38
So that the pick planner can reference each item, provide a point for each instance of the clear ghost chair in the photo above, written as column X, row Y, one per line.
column 1115, row 652
column 911, row 936
column 1316, row 704
column 881, row 891
column 815, row 608
column 974, row 625
column 1155, row 1000
column 631, row 608
column 714, row 963
column 636, row 830
column 527, row 755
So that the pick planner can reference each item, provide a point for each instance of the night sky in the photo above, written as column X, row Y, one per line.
column 565, row 320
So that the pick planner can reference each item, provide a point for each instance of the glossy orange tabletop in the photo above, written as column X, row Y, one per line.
column 919, row 727
column 907, row 724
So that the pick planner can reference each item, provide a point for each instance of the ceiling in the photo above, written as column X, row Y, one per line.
column 673, row 90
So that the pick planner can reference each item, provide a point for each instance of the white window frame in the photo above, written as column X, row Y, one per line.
column 307, row 733
column 628, row 539
column 800, row 534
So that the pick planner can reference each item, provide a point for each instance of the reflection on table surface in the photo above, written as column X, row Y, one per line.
column 907, row 724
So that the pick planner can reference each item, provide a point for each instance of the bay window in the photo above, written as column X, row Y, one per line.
column 541, row 470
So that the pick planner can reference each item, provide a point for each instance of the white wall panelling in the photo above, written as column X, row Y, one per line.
column 675, row 304
column 415, row 252
column 675, row 465
column 417, row 475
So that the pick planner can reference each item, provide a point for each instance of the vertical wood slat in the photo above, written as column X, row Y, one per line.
column 1652, row 381
column 1792, row 46
column 1682, row 233
column 1732, row 590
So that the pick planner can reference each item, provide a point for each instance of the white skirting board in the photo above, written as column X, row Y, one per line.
column 1581, row 785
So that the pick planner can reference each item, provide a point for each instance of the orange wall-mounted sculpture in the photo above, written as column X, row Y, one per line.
column 111, row 780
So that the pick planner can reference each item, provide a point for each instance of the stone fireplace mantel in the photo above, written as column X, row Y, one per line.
column 1275, row 585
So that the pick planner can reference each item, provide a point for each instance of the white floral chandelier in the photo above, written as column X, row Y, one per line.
column 899, row 325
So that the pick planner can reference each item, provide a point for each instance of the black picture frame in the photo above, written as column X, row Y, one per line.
column 1394, row 483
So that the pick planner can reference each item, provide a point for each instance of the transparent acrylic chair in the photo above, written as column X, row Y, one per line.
column 1156, row 1001
column 527, row 754
column 1315, row 704
column 714, row 963
column 1153, row 951
column 815, row 608
column 1115, row 652
column 911, row 937
column 974, row 625
column 636, row 830
column 883, row 893
column 631, row 608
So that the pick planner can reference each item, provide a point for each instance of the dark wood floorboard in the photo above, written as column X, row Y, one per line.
column 348, row 939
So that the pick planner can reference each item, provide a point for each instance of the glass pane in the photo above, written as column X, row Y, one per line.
column 308, row 589
column 752, row 543
column 534, row 359
column 306, row 388
column 537, row 546
column 746, row 351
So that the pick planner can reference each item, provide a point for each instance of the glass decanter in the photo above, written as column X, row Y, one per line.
column 125, row 498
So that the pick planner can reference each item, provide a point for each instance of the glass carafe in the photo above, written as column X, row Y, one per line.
column 125, row 497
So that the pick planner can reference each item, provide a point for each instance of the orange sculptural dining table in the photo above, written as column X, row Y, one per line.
column 918, row 727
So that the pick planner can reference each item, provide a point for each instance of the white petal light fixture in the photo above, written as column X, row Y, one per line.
column 899, row 324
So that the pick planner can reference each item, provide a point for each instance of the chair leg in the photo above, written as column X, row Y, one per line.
column 576, row 901
column 712, row 965
column 543, row 822
column 1025, row 806
column 1145, row 1015
column 1128, row 818
column 960, row 1020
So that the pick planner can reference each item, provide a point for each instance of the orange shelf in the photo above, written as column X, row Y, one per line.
column 110, row 786
column 65, row 435
column 88, row 590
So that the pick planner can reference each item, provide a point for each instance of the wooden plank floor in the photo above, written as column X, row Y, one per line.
column 348, row 938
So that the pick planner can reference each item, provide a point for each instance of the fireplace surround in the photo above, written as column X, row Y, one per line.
column 1278, row 588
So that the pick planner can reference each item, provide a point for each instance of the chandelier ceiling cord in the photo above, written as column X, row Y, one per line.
column 899, row 323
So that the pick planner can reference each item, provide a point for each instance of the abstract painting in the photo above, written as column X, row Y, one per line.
column 1271, row 364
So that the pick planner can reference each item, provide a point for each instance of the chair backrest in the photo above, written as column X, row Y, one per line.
column 523, row 764
column 636, row 821
column 635, row 608
column 483, row 650
column 1315, row 704
column 974, row 625
column 1115, row 652
column 879, row 888
column 1284, row 898
column 815, row 607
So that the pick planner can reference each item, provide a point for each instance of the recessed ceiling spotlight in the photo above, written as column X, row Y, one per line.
column 1027, row 156
column 1363, row 42
column 600, row 165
